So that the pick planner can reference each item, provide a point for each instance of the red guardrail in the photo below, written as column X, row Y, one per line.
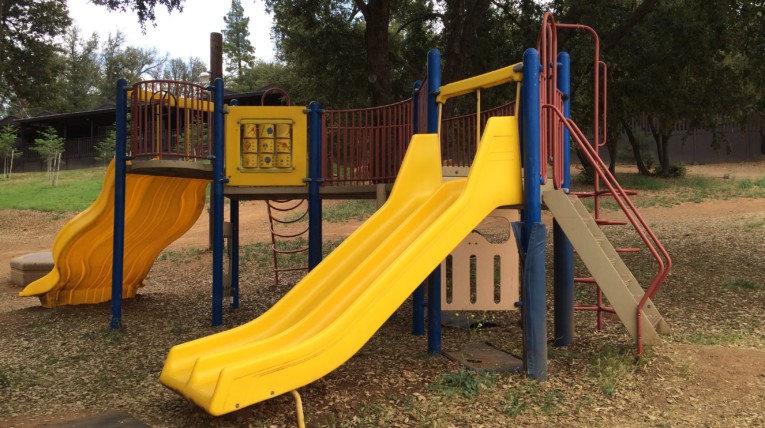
column 170, row 120
column 365, row 146
column 459, row 139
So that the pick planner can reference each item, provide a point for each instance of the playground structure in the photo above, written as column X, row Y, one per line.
column 183, row 132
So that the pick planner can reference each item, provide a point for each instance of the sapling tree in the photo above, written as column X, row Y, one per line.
column 8, row 136
column 50, row 146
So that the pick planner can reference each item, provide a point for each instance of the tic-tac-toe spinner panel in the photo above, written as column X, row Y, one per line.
column 266, row 146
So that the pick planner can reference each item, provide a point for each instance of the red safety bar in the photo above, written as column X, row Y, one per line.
column 170, row 120
column 637, row 221
column 552, row 122
column 458, row 135
column 365, row 146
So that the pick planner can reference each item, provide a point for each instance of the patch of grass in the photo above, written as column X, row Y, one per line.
column 666, row 192
column 467, row 383
column 741, row 283
column 75, row 191
column 349, row 210
column 530, row 396
column 610, row 366
column 183, row 255
column 717, row 338
column 5, row 382
column 107, row 337
column 757, row 223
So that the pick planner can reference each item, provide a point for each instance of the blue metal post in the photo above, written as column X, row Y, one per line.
column 118, row 245
column 418, row 297
column 530, row 108
column 434, row 280
column 563, row 282
column 234, row 256
column 533, row 304
column 217, row 203
column 314, row 181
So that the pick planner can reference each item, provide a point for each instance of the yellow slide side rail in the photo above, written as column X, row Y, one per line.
column 512, row 73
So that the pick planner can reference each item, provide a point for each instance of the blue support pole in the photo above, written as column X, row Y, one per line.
column 118, row 245
column 314, row 181
column 434, row 280
column 217, row 202
column 534, row 306
column 234, row 256
column 418, row 297
column 563, row 282
column 530, row 108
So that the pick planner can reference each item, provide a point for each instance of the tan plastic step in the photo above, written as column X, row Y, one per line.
column 613, row 277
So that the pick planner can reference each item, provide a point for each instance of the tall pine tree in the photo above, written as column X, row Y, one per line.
column 238, row 52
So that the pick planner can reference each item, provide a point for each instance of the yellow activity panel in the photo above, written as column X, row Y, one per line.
column 266, row 146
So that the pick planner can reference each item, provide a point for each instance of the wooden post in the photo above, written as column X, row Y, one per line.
column 216, row 71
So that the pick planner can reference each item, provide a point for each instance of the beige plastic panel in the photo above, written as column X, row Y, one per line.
column 484, row 298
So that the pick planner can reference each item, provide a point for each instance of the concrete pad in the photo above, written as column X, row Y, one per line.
column 484, row 357
column 30, row 267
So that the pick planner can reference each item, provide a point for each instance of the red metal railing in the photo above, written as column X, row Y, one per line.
column 657, row 250
column 170, row 120
column 459, row 139
column 553, row 121
column 365, row 146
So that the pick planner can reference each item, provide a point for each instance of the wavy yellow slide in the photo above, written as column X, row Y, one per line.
column 329, row 315
column 158, row 210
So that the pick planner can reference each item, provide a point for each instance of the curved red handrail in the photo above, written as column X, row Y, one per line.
column 637, row 221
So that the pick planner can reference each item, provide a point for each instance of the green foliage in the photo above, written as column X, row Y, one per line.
column 467, row 383
column 144, row 9
column 5, row 382
column 29, row 60
column 741, row 283
column 184, row 70
column 8, row 137
column 49, row 144
column 349, row 210
column 105, row 148
column 611, row 366
column 529, row 395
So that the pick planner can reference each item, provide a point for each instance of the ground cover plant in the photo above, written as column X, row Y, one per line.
column 64, row 363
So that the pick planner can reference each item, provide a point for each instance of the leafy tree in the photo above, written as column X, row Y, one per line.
column 105, row 148
column 76, row 85
column 264, row 73
column 28, row 53
column 132, row 63
column 8, row 137
column 143, row 8
column 50, row 146
column 184, row 70
column 237, row 49
column 692, row 86
column 323, row 43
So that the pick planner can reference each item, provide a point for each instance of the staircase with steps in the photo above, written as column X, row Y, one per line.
column 606, row 266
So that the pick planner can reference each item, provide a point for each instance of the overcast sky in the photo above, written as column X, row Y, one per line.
column 185, row 34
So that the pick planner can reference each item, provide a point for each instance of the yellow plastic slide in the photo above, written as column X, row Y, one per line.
column 337, row 307
column 158, row 210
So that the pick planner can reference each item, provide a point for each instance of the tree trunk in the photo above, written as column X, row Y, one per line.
column 664, row 152
column 377, row 16
column 642, row 169
column 463, row 18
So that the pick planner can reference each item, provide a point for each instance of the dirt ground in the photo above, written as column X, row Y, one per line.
column 62, row 364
